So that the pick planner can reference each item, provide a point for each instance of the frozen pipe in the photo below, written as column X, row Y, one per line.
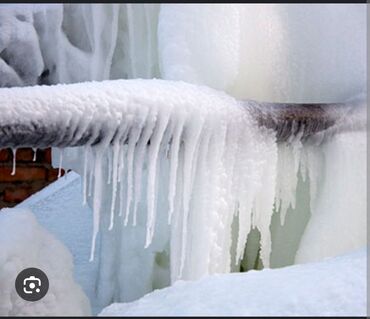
column 28, row 125
column 290, row 120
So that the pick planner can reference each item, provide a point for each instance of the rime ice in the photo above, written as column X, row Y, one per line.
column 198, row 145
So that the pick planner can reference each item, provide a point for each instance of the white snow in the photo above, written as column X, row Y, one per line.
column 25, row 243
column 60, row 204
column 333, row 287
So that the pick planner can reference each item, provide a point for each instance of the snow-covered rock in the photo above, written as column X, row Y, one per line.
column 333, row 287
column 24, row 243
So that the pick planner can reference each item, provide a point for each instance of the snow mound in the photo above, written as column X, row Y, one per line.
column 60, row 204
column 24, row 243
column 335, row 287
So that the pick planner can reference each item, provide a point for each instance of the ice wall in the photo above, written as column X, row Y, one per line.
column 278, row 53
column 302, row 53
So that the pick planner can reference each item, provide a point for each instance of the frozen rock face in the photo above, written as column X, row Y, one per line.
column 24, row 243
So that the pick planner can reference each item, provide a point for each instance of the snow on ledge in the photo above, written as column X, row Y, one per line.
column 333, row 287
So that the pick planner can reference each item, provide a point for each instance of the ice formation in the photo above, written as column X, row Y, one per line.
column 24, row 243
column 18, row 42
column 189, row 173
column 196, row 144
column 341, row 197
column 278, row 53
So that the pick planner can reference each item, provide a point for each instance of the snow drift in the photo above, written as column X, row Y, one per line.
column 333, row 287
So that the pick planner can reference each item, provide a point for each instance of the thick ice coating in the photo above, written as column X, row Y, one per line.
column 217, row 162
column 277, row 53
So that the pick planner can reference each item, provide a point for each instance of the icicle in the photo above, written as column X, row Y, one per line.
column 121, row 164
column 289, row 159
column 155, row 143
column 194, row 132
column 116, row 152
column 174, row 153
column 139, row 158
column 133, row 138
column 109, row 180
column 121, row 179
column 60, row 162
column 14, row 150
column 34, row 154
column 84, row 182
column 98, row 183
column 91, row 172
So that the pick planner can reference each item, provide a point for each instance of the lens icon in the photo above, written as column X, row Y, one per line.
column 32, row 284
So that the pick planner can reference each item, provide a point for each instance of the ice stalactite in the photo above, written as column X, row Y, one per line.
column 14, row 169
column 289, row 164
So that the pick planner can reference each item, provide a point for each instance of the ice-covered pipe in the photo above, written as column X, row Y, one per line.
column 52, row 116
column 304, row 120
